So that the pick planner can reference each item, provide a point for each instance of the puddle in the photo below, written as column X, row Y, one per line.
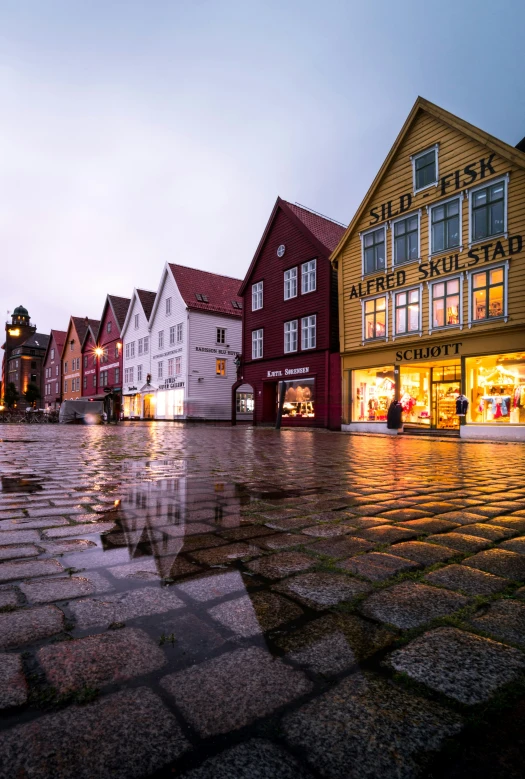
column 9, row 484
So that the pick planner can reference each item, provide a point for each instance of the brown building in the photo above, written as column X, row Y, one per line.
column 24, row 352
column 72, row 356
column 52, row 370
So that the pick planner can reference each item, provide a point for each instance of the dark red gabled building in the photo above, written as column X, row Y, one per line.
column 52, row 370
column 109, row 350
column 290, row 320
column 90, row 359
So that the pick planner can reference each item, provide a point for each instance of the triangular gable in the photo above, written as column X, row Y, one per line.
column 57, row 337
column 142, row 296
column 119, row 307
column 505, row 150
column 301, row 221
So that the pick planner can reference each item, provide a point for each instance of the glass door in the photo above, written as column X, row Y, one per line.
column 444, row 394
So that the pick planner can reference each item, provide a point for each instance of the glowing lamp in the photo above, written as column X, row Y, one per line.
column 99, row 352
column 14, row 331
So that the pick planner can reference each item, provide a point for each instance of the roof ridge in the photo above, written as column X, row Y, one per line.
column 209, row 272
column 315, row 213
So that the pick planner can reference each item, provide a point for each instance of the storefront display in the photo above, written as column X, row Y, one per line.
column 299, row 398
column 373, row 391
column 415, row 395
column 496, row 388
column 132, row 406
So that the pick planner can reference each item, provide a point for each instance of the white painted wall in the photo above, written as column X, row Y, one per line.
column 130, row 333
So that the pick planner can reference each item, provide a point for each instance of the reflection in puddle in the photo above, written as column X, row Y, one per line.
column 20, row 484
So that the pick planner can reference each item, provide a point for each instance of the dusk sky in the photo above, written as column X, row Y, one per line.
column 135, row 133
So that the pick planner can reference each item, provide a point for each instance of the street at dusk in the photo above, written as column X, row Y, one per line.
column 206, row 601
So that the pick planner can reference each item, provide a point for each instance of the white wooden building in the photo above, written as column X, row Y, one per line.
column 194, row 337
column 137, row 356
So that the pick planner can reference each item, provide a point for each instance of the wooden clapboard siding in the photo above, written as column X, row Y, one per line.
column 459, row 145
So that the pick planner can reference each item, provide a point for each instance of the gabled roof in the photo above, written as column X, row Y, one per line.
column 321, row 231
column 59, row 338
column 147, row 300
column 91, row 330
column 36, row 341
column 120, row 309
column 81, row 323
column 216, row 293
column 511, row 153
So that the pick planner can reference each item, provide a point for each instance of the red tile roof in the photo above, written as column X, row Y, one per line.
column 147, row 300
column 60, row 337
column 221, row 291
column 324, row 229
column 120, row 307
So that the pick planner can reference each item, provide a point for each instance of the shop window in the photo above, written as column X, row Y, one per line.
column 178, row 403
column 308, row 276
column 445, row 303
column 220, row 335
column 161, row 404
column 309, row 332
column 220, row 367
column 161, row 339
column 257, row 296
column 373, row 245
column 495, row 387
column 445, row 220
column 487, row 293
column 244, row 402
column 299, row 398
column 290, row 336
column 257, row 344
column 407, row 311
column 425, row 170
column 406, row 239
column 488, row 211
column 374, row 318
column 290, row 283
column 372, row 392
column 414, row 382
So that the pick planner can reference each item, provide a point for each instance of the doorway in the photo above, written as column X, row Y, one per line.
column 428, row 394
column 149, row 406
column 444, row 394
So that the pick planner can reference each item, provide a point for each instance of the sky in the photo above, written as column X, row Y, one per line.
column 135, row 133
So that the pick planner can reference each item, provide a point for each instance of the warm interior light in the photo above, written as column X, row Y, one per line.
column 14, row 331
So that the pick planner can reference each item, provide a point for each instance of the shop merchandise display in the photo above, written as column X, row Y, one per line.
column 446, row 397
column 415, row 396
column 374, row 393
column 461, row 405
column 497, row 389
column 299, row 399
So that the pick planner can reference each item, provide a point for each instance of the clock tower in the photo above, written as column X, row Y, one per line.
column 16, row 332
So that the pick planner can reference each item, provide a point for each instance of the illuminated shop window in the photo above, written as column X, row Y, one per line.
column 495, row 388
column 372, row 392
column 244, row 402
column 299, row 398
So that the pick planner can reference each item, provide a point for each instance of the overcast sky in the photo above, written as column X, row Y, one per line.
column 133, row 133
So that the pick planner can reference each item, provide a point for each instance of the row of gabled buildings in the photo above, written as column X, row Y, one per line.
column 419, row 300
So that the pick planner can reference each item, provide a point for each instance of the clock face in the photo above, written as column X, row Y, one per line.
column 281, row 250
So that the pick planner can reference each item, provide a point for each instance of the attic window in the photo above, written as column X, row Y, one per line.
column 202, row 298
column 236, row 304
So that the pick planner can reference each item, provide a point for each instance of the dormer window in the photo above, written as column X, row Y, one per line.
column 236, row 304
column 425, row 168
column 202, row 298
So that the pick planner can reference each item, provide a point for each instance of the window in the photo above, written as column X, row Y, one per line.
column 220, row 367
column 127, row 350
column 65, row 385
column 172, row 335
column 161, row 339
column 257, row 344
column 495, row 389
column 139, row 372
column 425, row 168
column 290, row 336
column 290, row 283
column 178, row 366
column 33, row 378
column 257, row 296
column 108, row 327
column 103, row 378
column 407, row 309
column 168, row 306
column 85, row 382
column 146, row 344
column 141, row 347
column 445, row 220
column 308, row 332
column 170, row 366
column 94, row 380
column 85, row 361
column 488, row 211
column 136, row 321
column 56, row 387
column 244, row 402
column 375, row 314
column 160, row 369
column 117, row 375
column 132, row 348
column 488, row 293
column 308, row 276
column 71, row 345
column 406, row 239
column 445, row 297
column 179, row 333
column 52, row 354
column 65, row 367
column 128, row 374
column 372, row 392
column 374, row 250
column 221, row 335
column 117, row 351
column 237, row 304
column 57, row 370
column 299, row 398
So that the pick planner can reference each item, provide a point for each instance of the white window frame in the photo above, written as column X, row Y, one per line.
column 137, row 322
column 257, row 295
column 132, row 349
column 307, row 275
column 140, row 343
column 401, row 219
column 160, row 369
column 178, row 366
column 289, row 282
column 414, row 157
column 470, row 274
column 454, row 249
column 168, row 306
column 161, row 339
column 363, row 330
column 171, row 367
column 256, row 340
column 146, row 344
column 498, row 180
column 180, row 332
column 304, row 329
column 172, row 335
column 364, row 272
column 220, row 335
column 431, row 285
column 52, row 354
column 393, row 294
column 290, row 331
column 139, row 372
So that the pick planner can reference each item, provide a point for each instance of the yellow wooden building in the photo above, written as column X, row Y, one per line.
column 431, row 277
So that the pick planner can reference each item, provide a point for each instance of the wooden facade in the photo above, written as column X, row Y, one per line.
column 72, row 357
column 432, row 275
column 52, row 381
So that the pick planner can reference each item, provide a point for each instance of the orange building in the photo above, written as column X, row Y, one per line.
column 72, row 356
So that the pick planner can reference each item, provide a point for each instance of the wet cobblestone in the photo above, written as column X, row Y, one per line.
column 252, row 603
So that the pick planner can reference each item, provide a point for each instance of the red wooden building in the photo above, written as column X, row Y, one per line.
column 52, row 370
column 89, row 360
column 290, row 320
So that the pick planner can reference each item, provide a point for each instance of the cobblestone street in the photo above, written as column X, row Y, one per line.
column 218, row 603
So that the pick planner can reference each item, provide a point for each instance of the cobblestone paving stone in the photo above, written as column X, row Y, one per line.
column 241, row 616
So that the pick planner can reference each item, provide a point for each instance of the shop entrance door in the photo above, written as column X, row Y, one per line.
column 444, row 394
column 148, row 407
